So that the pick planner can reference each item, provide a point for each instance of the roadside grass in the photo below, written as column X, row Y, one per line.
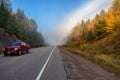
column 1, row 52
column 86, row 47
column 2, row 29
column 106, row 61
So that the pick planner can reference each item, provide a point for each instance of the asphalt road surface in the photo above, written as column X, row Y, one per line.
column 40, row 64
column 51, row 63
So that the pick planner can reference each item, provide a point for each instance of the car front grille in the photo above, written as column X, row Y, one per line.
column 9, row 49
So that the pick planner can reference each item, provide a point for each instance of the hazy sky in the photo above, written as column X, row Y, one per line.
column 56, row 18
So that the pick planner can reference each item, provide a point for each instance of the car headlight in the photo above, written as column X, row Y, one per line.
column 15, row 48
column 3, row 49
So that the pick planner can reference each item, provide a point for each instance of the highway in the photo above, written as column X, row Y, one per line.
column 51, row 63
column 40, row 64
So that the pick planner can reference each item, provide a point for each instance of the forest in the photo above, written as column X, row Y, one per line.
column 18, row 24
column 99, row 38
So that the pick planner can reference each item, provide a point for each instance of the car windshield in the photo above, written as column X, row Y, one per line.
column 15, row 44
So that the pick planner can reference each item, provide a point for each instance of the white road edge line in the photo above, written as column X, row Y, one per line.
column 44, row 66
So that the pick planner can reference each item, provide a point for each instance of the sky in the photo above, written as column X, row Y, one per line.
column 56, row 18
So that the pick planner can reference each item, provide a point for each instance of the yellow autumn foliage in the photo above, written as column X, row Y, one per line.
column 110, row 20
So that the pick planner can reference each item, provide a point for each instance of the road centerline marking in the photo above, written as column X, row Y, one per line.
column 44, row 66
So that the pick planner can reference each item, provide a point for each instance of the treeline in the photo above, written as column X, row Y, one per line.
column 102, row 25
column 19, row 25
column 98, row 39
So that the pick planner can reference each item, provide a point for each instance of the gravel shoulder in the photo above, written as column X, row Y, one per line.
column 79, row 68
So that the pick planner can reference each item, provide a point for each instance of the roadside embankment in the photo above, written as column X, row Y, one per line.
column 105, row 61
column 6, row 38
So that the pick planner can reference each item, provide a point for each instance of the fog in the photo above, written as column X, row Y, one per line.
column 88, row 11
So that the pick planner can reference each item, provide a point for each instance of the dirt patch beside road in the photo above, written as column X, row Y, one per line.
column 79, row 68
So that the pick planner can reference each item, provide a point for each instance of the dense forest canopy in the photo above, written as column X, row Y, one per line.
column 104, row 23
column 19, row 24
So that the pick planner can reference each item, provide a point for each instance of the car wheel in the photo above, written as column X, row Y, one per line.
column 27, row 51
column 19, row 52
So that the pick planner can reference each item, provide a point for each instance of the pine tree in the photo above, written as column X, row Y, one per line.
column 90, row 36
column 7, row 4
column 3, row 16
column 100, row 29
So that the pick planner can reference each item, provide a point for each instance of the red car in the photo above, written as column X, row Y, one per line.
column 16, row 48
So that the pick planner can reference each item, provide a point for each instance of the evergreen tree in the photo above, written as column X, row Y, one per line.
column 12, row 25
column 3, row 16
column 100, row 29
column 90, row 36
column 7, row 4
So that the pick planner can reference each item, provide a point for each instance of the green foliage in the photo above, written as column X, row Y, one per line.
column 86, row 47
column 100, row 29
column 115, row 56
column 1, row 52
column 12, row 25
column 28, row 29
column 104, row 50
column 19, row 25
column 90, row 36
column 7, row 4
column 2, row 29
column 113, row 40
column 3, row 16
column 108, row 62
